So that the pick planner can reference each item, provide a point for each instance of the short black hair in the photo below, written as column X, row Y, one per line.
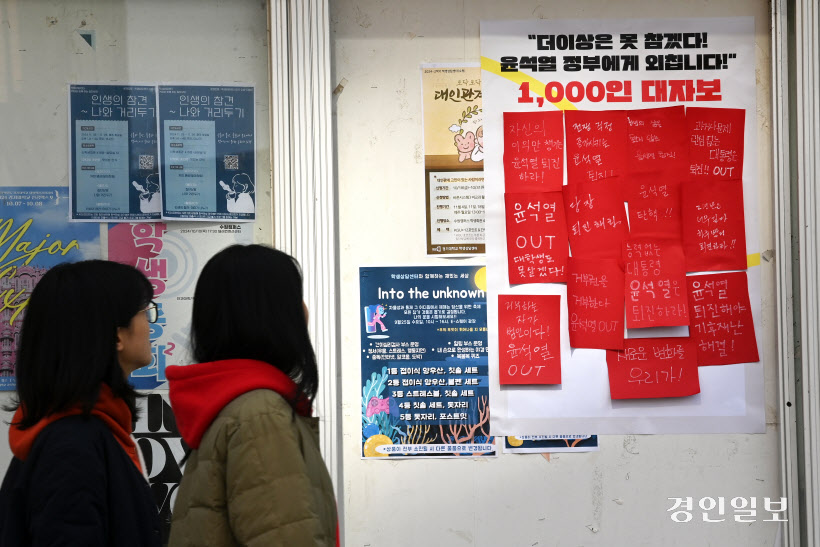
column 248, row 305
column 68, row 342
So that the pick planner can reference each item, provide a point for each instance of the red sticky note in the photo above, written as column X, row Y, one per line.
column 596, row 145
column 537, row 244
column 715, row 143
column 596, row 219
column 657, row 141
column 714, row 227
column 722, row 325
column 655, row 283
column 653, row 367
column 533, row 151
column 529, row 339
column 654, row 205
column 595, row 303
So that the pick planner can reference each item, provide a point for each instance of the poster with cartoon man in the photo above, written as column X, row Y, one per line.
column 453, row 158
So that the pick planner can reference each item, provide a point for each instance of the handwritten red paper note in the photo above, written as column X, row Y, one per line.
column 721, row 316
column 715, row 143
column 654, row 205
column 657, row 141
column 595, row 303
column 529, row 339
column 596, row 145
column 537, row 244
column 714, row 228
column 533, row 151
column 596, row 219
column 655, row 283
column 653, row 367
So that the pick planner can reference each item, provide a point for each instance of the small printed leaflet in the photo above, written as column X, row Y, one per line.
column 595, row 303
column 529, row 328
column 533, row 151
column 721, row 316
column 715, row 143
column 537, row 244
column 657, row 141
column 654, row 205
column 596, row 219
column 596, row 145
column 714, row 226
column 653, row 367
column 655, row 283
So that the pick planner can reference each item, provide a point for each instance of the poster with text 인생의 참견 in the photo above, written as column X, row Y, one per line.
column 207, row 137
column 596, row 72
column 113, row 153
column 171, row 257
column 34, row 236
column 453, row 158
column 424, row 362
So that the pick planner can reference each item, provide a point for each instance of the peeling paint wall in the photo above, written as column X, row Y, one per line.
column 615, row 497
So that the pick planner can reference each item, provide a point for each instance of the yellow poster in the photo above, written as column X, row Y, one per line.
column 453, row 158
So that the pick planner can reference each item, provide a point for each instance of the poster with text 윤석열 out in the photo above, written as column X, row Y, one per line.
column 424, row 362
column 207, row 139
column 171, row 257
column 453, row 158
column 114, row 153
column 653, row 111
column 34, row 236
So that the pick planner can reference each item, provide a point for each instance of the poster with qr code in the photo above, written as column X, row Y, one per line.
column 207, row 138
column 114, row 153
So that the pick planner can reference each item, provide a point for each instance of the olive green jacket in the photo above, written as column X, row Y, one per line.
column 256, row 479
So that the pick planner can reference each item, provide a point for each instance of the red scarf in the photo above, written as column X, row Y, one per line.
column 113, row 411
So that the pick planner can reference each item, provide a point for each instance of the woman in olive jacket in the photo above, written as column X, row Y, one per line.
column 255, row 475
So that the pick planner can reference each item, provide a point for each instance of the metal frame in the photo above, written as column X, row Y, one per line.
column 304, row 204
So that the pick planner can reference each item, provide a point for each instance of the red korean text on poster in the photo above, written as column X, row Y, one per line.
column 529, row 339
column 721, row 315
column 595, row 303
column 655, row 283
column 657, row 141
column 715, row 143
column 537, row 245
column 139, row 245
column 714, row 228
column 596, row 145
column 653, row 367
column 596, row 219
column 533, row 151
column 654, row 205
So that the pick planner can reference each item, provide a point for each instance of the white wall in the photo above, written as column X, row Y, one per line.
column 614, row 497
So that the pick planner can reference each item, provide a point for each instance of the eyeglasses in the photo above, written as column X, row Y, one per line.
column 152, row 312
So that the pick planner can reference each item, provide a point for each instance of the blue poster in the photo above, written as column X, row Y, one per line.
column 207, row 138
column 547, row 444
column 113, row 150
column 34, row 236
column 425, row 390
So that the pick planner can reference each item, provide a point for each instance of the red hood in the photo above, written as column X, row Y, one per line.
column 199, row 392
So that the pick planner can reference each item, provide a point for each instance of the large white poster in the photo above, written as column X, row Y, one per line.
column 681, row 170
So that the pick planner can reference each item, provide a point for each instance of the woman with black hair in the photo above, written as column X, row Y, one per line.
column 255, row 476
column 77, row 476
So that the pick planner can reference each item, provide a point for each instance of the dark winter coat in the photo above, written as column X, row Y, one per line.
column 77, row 487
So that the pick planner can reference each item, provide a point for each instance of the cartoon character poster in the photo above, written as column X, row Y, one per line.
column 207, row 137
column 114, row 153
column 453, row 158
column 171, row 257
column 425, row 391
column 34, row 236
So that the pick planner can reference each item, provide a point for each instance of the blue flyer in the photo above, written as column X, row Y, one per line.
column 34, row 236
column 114, row 154
column 425, row 390
column 207, row 138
